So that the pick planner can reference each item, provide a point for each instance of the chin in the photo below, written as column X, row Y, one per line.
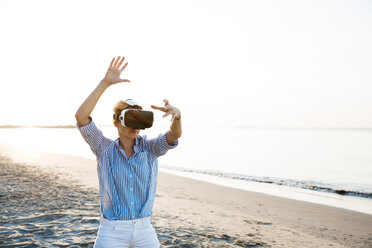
column 134, row 135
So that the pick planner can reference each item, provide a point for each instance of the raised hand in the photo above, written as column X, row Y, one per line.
column 114, row 71
column 168, row 110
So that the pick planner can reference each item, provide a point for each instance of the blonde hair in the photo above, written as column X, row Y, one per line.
column 120, row 106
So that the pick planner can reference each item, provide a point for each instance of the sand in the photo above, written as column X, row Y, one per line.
column 259, row 218
column 187, row 212
column 42, row 209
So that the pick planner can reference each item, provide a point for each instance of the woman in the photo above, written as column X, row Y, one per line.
column 127, row 168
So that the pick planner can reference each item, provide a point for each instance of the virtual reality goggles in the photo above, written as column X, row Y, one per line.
column 136, row 118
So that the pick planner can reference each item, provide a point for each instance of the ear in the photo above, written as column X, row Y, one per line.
column 116, row 123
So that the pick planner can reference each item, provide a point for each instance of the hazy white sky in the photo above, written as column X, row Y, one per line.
column 258, row 63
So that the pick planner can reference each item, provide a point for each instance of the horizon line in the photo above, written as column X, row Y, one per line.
column 191, row 126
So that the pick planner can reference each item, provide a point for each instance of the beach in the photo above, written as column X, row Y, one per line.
column 259, row 220
column 249, row 121
column 51, row 200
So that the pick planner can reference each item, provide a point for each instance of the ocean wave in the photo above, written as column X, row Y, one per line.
column 309, row 185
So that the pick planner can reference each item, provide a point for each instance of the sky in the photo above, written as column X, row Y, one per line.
column 222, row 63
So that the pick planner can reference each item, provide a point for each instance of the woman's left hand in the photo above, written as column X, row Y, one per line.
column 168, row 110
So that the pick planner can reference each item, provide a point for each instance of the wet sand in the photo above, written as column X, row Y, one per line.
column 52, row 201
column 41, row 209
column 253, row 218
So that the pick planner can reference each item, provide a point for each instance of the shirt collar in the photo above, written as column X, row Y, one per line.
column 136, row 147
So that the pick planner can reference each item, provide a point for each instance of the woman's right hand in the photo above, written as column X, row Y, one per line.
column 114, row 71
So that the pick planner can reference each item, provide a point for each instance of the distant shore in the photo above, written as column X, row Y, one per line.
column 242, row 127
column 36, row 126
column 193, row 213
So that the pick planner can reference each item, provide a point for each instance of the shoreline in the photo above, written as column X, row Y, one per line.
column 353, row 203
column 187, row 210
column 276, row 219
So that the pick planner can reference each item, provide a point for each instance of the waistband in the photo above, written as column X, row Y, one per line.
column 140, row 221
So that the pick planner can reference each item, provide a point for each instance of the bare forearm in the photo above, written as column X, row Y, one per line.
column 86, row 108
column 175, row 131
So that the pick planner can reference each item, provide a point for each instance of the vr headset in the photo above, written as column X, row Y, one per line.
column 136, row 118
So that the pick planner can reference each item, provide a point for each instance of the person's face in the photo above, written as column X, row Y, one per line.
column 126, row 132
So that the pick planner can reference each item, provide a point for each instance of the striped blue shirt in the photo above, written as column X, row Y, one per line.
column 126, row 186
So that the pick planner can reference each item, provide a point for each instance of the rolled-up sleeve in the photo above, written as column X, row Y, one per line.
column 94, row 137
column 159, row 146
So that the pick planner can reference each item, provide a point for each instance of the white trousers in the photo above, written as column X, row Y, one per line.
column 126, row 233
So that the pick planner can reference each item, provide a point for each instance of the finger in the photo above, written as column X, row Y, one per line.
column 166, row 115
column 166, row 102
column 125, row 65
column 112, row 61
column 125, row 80
column 121, row 61
column 158, row 108
column 116, row 62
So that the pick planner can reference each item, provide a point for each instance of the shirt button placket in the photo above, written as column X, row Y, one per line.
column 132, row 196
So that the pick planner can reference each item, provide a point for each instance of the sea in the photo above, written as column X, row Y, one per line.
column 321, row 165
